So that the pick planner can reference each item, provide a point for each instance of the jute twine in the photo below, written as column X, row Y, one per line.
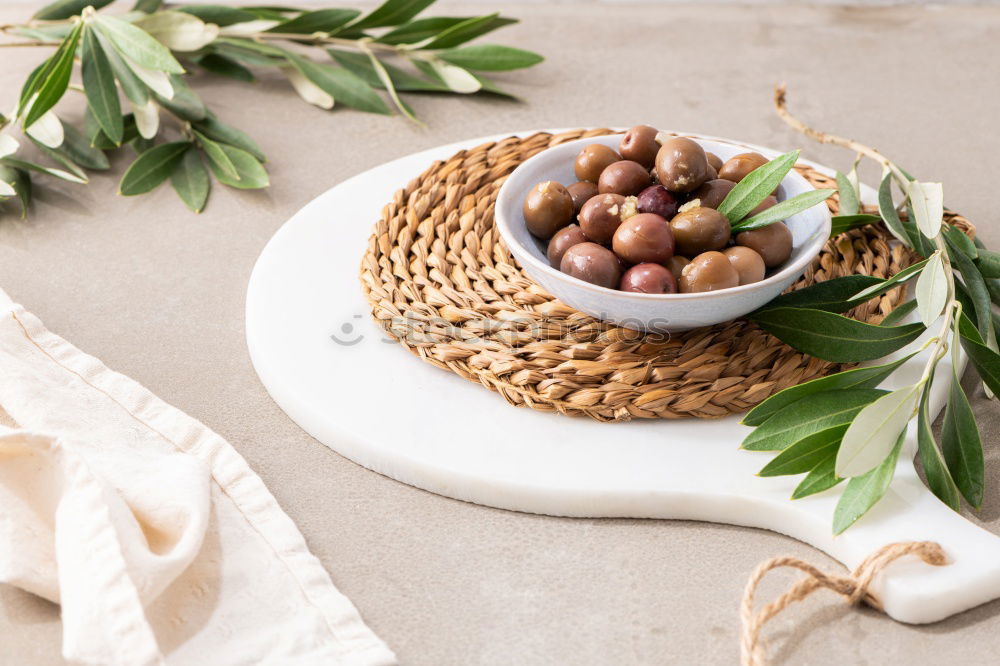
column 854, row 587
column 441, row 282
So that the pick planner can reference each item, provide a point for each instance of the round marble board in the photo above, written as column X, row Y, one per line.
column 333, row 371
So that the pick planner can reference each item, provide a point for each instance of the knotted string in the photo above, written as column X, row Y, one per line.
column 854, row 587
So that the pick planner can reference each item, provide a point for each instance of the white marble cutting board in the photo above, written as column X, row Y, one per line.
column 453, row 437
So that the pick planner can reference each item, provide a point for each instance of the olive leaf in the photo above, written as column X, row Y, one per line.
column 885, row 285
column 319, row 20
column 191, row 182
column 875, row 429
column 842, row 223
column 250, row 175
column 63, row 9
column 985, row 360
column 137, row 45
column 220, row 15
column 490, row 57
column 863, row 492
column 755, row 186
column 932, row 289
column 899, row 313
column 820, row 478
column 99, row 87
column 988, row 263
column 849, row 203
column 927, row 200
column 961, row 445
column 836, row 295
column 887, row 210
column 51, row 83
column 939, row 479
column 152, row 167
column 784, row 210
column 806, row 453
column 178, row 31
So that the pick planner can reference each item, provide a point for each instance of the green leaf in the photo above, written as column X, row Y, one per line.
column 849, row 204
column 251, row 174
column 491, row 57
column 31, row 166
column 392, row 12
column 190, row 181
column 822, row 477
column 960, row 241
column 135, row 90
column 890, row 282
column 152, row 167
column 20, row 182
column 185, row 103
column 457, row 79
column 988, row 263
column 833, row 337
column 887, row 209
column 835, row 295
column 985, row 360
column 99, row 86
column 805, row 454
column 932, row 290
column 53, row 79
column 320, row 20
column 927, row 201
column 402, row 80
column 758, row 184
column 386, row 82
column 875, row 429
column 138, row 45
column 842, row 223
column 60, row 156
column 217, row 130
column 863, row 492
column 178, row 31
column 223, row 66
column 342, row 85
column 784, row 210
column 63, row 9
column 961, row 445
column 147, row 6
column 490, row 87
column 899, row 313
column 465, row 31
column 419, row 30
column 975, row 287
column 857, row 378
column 218, row 159
column 812, row 413
column 938, row 477
column 77, row 148
column 218, row 14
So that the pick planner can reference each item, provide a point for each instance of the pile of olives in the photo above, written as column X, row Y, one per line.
column 644, row 219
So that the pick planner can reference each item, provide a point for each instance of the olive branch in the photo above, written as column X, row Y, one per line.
column 134, row 66
column 842, row 426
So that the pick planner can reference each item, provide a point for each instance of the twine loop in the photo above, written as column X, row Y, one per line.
column 853, row 586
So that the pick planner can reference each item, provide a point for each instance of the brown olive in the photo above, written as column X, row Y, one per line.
column 649, row 279
column 592, row 160
column 681, row 165
column 639, row 145
column 547, row 209
column 624, row 177
column 708, row 271
column 747, row 263
column 738, row 166
column 581, row 193
column 769, row 200
column 600, row 216
column 657, row 199
column 592, row 263
column 714, row 160
column 676, row 265
column 563, row 240
column 712, row 193
column 700, row 229
column 773, row 243
column 642, row 238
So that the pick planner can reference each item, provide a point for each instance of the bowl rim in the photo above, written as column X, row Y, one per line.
column 502, row 219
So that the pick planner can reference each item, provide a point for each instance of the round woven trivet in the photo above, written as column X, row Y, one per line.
column 441, row 282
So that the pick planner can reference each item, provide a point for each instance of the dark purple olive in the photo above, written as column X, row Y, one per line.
column 644, row 238
column 592, row 263
column 649, row 279
column 658, row 200
column 564, row 239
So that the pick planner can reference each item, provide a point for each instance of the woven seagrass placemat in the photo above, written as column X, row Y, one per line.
column 441, row 282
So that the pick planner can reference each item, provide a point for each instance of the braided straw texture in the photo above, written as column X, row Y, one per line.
column 442, row 283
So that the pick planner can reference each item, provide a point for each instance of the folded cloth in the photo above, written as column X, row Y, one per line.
column 151, row 532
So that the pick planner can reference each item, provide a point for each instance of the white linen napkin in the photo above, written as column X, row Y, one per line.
column 151, row 532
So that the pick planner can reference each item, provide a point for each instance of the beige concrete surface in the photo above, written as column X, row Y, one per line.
column 158, row 294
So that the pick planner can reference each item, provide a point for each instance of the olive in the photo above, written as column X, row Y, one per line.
column 563, row 240
column 592, row 160
column 624, row 177
column 773, row 243
column 738, row 166
column 700, row 229
column 747, row 263
column 592, row 263
column 581, row 192
column 657, row 199
column 681, row 165
column 769, row 200
column 642, row 238
column 708, row 271
column 712, row 193
column 547, row 209
column 714, row 160
column 639, row 145
column 649, row 279
column 676, row 265
column 600, row 216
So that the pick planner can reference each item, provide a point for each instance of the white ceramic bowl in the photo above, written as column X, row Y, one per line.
column 653, row 312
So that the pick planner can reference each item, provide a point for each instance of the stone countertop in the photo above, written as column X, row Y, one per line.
column 158, row 293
